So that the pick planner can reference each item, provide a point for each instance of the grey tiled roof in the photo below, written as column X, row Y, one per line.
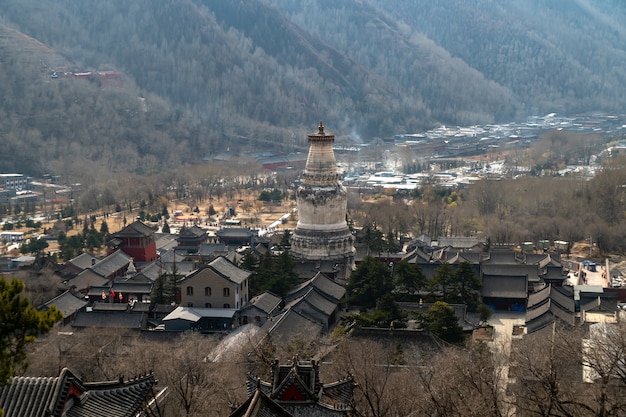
column 165, row 241
column 138, row 278
column 83, row 261
column 458, row 242
column 338, row 394
column 541, row 259
column 109, row 306
column 87, row 279
column 28, row 392
column 261, row 249
column 229, row 270
column 503, row 270
column 599, row 304
column 67, row 303
column 209, row 249
column 290, row 324
column 324, row 284
column 471, row 257
column 315, row 300
column 538, row 297
column 538, row 310
column 242, row 232
column 554, row 272
column 567, row 316
column 455, row 258
column 66, row 395
column 115, row 261
column 143, row 307
column 550, row 303
column 163, row 308
column 562, row 298
column 117, row 399
column 193, row 231
column 136, row 228
column 96, row 290
column 502, row 257
column 172, row 255
column 109, row 319
column 504, row 286
column 416, row 256
column 99, row 273
column 266, row 301
column 132, row 287
column 539, row 323
column 152, row 271
column 560, row 295
column 182, row 268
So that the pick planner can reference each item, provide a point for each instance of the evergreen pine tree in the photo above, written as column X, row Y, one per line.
column 158, row 295
column 104, row 228
column 172, row 288
column 443, row 323
column 20, row 324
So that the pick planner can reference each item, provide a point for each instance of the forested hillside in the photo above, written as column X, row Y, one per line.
column 555, row 55
column 255, row 74
column 76, row 127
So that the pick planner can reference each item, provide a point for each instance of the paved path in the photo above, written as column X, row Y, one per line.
column 503, row 323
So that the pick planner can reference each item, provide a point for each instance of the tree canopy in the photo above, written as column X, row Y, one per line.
column 371, row 280
column 275, row 273
column 20, row 324
column 443, row 323
column 409, row 277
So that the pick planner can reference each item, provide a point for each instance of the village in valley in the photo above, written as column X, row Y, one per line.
column 297, row 280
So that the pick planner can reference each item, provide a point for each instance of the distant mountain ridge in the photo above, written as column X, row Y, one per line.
column 261, row 73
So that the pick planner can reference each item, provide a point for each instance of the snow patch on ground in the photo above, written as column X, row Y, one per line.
column 243, row 335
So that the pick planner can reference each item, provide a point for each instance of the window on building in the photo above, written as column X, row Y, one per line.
column 226, row 292
column 226, row 305
column 189, row 290
column 207, row 291
column 189, row 304
column 207, row 305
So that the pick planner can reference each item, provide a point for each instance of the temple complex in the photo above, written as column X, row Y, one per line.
column 322, row 233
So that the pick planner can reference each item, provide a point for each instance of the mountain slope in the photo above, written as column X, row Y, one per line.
column 236, row 63
column 262, row 73
column 565, row 56
column 78, row 127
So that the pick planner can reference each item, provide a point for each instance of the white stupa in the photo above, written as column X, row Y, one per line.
column 322, row 232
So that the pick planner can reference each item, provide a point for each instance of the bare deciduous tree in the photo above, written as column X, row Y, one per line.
column 383, row 389
column 571, row 372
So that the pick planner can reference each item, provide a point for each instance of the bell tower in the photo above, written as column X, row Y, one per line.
column 322, row 232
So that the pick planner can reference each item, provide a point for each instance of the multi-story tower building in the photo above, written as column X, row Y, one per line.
column 322, row 233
